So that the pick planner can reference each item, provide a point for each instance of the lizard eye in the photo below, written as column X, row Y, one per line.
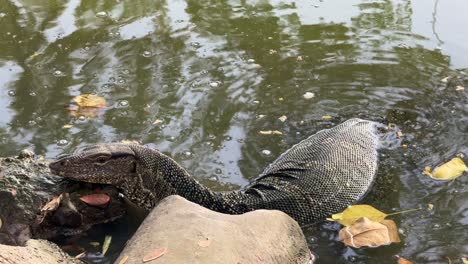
column 101, row 159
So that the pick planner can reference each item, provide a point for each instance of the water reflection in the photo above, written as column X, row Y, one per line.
column 217, row 72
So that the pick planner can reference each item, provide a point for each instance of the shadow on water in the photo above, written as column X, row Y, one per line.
column 217, row 72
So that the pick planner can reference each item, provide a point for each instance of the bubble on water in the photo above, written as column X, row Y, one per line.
column 102, row 14
column 312, row 240
column 32, row 123
column 213, row 178
column 123, row 103
column 11, row 93
column 121, row 81
column 147, row 54
column 58, row 73
column 2, row 15
column 218, row 171
column 214, row 84
column 125, row 71
column 256, row 102
column 188, row 154
column 266, row 152
column 195, row 44
column 32, row 94
column 111, row 79
column 62, row 142
column 436, row 226
column 81, row 118
column 251, row 61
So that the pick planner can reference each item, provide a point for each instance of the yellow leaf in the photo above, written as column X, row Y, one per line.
column 94, row 243
column 157, row 122
column 270, row 132
column 281, row 99
column 282, row 118
column 106, row 244
column 67, row 126
column 34, row 55
column 459, row 88
column 399, row 134
column 129, row 142
column 447, row 171
column 90, row 100
column 354, row 212
column 327, row 117
column 123, row 260
column 367, row 233
column 465, row 260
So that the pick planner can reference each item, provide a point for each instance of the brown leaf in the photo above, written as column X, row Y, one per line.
column 204, row 243
column 123, row 260
column 96, row 199
column 156, row 253
column 401, row 260
column 90, row 100
column 366, row 233
column 392, row 231
column 53, row 204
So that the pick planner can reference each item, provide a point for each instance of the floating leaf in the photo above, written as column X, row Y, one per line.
column 204, row 243
column 156, row 253
column 123, row 260
column 299, row 58
column 445, row 79
column 53, row 204
column 90, row 100
column 351, row 214
column 34, row 55
column 96, row 199
column 367, row 233
column 106, row 244
column 459, row 88
column 283, row 118
column 281, row 99
column 399, row 134
column 447, row 171
column 354, row 212
column 0, row 223
column 464, row 260
column 401, row 260
column 94, row 243
column 157, row 122
column 129, row 142
column 327, row 117
column 430, row 207
column 270, row 132
column 67, row 126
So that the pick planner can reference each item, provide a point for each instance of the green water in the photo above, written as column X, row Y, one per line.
column 218, row 72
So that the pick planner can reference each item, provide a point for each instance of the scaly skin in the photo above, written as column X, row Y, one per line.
column 317, row 177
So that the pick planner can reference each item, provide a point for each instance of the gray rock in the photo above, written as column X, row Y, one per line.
column 190, row 233
column 35, row 251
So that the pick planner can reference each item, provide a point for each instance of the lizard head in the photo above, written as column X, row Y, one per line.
column 102, row 163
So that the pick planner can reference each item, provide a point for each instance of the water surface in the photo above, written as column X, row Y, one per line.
column 218, row 72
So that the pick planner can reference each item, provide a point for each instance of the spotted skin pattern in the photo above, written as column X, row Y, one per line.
column 315, row 178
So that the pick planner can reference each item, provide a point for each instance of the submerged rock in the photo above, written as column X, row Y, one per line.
column 35, row 251
column 179, row 231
